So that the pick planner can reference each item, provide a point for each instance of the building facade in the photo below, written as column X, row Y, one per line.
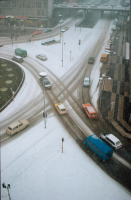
column 31, row 10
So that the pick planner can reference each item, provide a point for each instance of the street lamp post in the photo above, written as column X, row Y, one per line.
column 62, row 45
column 102, row 79
column 43, row 75
column 110, row 108
column 60, row 27
column 8, row 186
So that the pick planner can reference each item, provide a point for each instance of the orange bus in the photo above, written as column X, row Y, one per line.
column 91, row 113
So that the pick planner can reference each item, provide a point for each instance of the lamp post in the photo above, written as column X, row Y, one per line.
column 110, row 108
column 60, row 27
column 102, row 84
column 43, row 75
column 8, row 186
column 62, row 45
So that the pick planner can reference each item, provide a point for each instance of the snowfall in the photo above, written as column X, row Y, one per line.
column 32, row 161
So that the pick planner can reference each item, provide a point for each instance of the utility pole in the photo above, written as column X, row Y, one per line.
column 62, row 144
column 8, row 186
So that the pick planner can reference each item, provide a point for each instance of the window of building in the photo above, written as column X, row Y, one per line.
column 14, row 3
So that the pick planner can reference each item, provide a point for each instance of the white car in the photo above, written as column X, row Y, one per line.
column 61, row 21
column 41, row 56
column 111, row 140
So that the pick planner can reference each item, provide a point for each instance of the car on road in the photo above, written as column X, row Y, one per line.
column 75, row 6
column 91, row 60
column 18, row 59
column 111, row 140
column 90, row 111
column 41, row 56
column 1, row 45
column 37, row 32
column 17, row 126
column 46, row 83
column 60, row 108
column 48, row 30
column 66, row 28
column 86, row 81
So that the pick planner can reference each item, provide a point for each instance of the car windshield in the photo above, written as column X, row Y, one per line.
column 117, row 143
column 63, row 110
column 46, row 82
column 9, row 128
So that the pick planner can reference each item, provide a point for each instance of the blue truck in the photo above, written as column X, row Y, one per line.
column 99, row 147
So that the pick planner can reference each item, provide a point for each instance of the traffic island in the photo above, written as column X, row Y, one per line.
column 11, row 78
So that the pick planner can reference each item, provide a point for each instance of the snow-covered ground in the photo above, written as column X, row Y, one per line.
column 32, row 162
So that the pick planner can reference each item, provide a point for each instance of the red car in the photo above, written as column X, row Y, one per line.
column 37, row 32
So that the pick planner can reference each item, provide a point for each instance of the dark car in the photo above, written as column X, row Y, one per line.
column 1, row 45
column 46, row 83
column 91, row 60
column 18, row 59
column 48, row 30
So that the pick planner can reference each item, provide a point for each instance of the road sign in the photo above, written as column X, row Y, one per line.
column 44, row 114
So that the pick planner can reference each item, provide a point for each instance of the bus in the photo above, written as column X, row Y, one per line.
column 99, row 147
column 21, row 52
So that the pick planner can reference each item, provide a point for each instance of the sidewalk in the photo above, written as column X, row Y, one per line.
column 117, row 89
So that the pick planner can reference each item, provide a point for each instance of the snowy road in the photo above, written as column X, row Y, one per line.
column 32, row 161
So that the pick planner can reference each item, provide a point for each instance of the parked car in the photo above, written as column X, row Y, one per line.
column 91, row 60
column 107, row 47
column 46, row 83
column 111, row 140
column 75, row 6
column 48, row 30
column 41, row 56
column 113, row 28
column 17, row 126
column 47, row 42
column 60, row 108
column 86, row 81
column 1, row 45
column 37, row 32
column 18, row 59
column 66, row 28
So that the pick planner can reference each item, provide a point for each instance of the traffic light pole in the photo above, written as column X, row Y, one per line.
column 62, row 144
column 7, row 187
column 44, row 107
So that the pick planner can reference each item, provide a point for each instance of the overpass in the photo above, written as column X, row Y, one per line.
column 102, row 8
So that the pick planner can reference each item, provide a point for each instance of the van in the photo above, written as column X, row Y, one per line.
column 16, row 127
column 104, row 57
column 99, row 147
column 18, row 59
column 89, row 110
column 21, row 52
column 113, row 141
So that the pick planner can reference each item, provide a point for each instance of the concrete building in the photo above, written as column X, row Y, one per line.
column 31, row 10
